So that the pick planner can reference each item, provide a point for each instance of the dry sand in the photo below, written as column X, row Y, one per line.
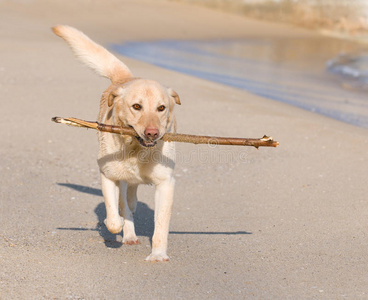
column 281, row 223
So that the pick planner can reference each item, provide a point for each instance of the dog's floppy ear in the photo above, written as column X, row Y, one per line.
column 113, row 94
column 173, row 94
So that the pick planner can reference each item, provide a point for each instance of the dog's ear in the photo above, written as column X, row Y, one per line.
column 113, row 94
column 173, row 94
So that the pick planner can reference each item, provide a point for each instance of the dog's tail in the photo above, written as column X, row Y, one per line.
column 93, row 55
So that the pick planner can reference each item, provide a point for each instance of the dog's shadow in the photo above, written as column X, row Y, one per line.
column 143, row 220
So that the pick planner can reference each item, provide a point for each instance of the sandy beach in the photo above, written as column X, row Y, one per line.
column 284, row 223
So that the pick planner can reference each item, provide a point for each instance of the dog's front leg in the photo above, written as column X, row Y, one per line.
column 110, row 191
column 163, row 203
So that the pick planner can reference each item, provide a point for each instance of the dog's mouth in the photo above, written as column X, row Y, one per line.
column 144, row 143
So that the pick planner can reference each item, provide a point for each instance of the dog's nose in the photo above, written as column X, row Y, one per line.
column 151, row 133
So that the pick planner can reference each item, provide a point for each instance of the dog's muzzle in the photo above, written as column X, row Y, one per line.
column 150, row 137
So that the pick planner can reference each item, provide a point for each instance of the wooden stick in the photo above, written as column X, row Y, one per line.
column 265, row 141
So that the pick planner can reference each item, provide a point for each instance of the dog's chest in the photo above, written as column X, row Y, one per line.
column 135, row 165
column 128, row 169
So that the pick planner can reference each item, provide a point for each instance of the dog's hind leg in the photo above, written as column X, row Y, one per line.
column 128, row 198
column 132, row 197
column 110, row 191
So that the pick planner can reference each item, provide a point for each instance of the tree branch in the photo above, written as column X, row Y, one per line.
column 265, row 141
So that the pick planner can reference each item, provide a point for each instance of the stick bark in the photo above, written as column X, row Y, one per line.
column 265, row 141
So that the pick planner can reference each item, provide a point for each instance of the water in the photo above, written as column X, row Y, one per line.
column 352, row 67
column 348, row 17
column 322, row 75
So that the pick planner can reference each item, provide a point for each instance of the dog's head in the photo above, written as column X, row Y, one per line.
column 146, row 106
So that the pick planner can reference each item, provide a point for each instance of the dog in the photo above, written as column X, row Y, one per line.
column 124, row 161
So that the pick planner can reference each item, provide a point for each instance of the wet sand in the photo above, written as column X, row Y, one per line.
column 281, row 223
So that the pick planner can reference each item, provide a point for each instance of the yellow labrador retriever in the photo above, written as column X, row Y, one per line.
column 125, row 162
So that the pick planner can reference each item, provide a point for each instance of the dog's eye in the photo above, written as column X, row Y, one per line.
column 161, row 108
column 137, row 106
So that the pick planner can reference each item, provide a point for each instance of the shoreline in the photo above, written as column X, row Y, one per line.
column 247, row 63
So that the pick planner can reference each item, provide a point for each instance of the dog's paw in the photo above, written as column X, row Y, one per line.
column 131, row 241
column 115, row 226
column 157, row 257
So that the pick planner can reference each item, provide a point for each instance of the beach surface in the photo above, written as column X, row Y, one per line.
column 276, row 223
